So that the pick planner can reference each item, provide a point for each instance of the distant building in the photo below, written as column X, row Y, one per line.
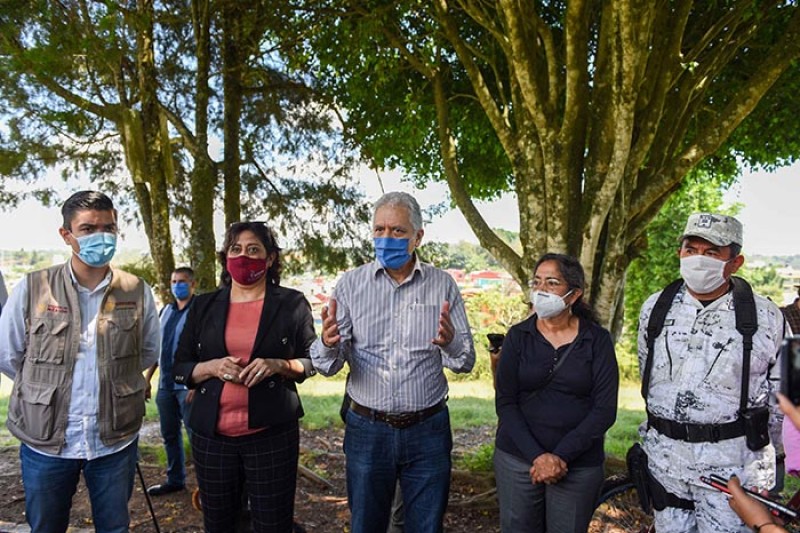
column 457, row 274
column 485, row 279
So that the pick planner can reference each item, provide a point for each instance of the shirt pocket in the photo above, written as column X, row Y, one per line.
column 48, row 339
column 422, row 325
column 123, row 336
column 127, row 402
column 662, row 364
column 34, row 410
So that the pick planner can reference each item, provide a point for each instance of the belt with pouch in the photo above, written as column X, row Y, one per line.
column 398, row 420
column 696, row 432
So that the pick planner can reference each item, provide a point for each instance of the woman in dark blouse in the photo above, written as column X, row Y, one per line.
column 243, row 349
column 549, row 448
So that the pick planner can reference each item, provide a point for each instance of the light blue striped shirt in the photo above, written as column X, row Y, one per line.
column 387, row 331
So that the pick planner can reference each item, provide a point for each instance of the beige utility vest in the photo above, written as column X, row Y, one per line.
column 40, row 399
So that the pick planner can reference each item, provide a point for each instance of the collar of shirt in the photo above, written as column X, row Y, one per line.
column 377, row 268
column 726, row 300
column 100, row 286
column 176, row 309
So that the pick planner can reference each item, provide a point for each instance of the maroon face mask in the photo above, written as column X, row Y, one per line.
column 246, row 270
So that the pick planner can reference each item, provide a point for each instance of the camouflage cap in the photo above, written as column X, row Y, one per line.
column 720, row 230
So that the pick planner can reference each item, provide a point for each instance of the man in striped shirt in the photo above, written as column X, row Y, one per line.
column 3, row 292
column 397, row 323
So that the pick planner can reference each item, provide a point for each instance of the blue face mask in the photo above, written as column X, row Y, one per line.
column 392, row 253
column 97, row 249
column 180, row 290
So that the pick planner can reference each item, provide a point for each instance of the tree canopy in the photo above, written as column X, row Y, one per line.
column 184, row 109
column 592, row 112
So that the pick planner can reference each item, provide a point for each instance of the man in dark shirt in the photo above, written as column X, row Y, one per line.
column 171, row 398
column 792, row 313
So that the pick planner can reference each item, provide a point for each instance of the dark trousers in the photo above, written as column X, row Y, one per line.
column 171, row 414
column 263, row 464
column 563, row 507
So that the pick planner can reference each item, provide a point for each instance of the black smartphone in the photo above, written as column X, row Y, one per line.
column 790, row 368
column 783, row 512
column 495, row 341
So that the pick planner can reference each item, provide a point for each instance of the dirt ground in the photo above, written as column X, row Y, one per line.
column 320, row 507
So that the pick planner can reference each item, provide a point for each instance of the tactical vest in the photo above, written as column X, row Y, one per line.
column 40, row 398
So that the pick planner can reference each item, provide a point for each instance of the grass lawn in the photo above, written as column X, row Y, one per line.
column 471, row 404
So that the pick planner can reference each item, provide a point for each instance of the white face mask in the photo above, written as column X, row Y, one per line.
column 548, row 305
column 702, row 274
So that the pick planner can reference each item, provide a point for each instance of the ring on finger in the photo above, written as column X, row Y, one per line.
column 227, row 377
column 259, row 372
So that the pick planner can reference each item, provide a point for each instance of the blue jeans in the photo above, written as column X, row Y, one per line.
column 171, row 411
column 378, row 455
column 50, row 483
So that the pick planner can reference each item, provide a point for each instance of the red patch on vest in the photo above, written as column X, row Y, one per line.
column 57, row 309
column 125, row 305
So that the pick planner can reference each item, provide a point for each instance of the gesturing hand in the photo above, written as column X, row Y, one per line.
column 330, row 329
column 446, row 331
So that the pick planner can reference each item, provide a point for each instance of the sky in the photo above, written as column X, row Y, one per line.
column 770, row 214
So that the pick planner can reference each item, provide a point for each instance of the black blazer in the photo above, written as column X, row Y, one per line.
column 285, row 330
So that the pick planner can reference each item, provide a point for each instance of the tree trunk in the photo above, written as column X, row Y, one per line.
column 204, row 179
column 156, row 151
column 232, row 89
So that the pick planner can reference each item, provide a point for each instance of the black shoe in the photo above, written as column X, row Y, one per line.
column 166, row 488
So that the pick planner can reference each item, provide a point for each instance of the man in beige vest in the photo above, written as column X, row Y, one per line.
column 77, row 338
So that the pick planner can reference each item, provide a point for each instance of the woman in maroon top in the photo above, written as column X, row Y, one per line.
column 243, row 349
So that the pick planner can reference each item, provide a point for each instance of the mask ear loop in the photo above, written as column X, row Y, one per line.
column 569, row 306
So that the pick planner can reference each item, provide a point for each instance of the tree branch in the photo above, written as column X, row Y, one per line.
column 110, row 112
column 714, row 133
column 522, row 64
column 488, row 238
column 497, row 119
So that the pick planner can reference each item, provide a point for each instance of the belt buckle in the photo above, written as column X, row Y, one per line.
column 702, row 432
column 693, row 432
column 401, row 420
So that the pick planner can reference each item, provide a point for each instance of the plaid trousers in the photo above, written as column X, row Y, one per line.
column 262, row 465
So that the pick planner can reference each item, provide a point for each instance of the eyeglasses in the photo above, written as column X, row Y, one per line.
column 548, row 283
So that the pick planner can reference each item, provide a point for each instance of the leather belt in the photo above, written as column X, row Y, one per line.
column 696, row 432
column 398, row 420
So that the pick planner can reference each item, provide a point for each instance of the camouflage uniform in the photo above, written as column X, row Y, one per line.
column 696, row 378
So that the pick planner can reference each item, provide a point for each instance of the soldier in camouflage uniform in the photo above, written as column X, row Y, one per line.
column 696, row 380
